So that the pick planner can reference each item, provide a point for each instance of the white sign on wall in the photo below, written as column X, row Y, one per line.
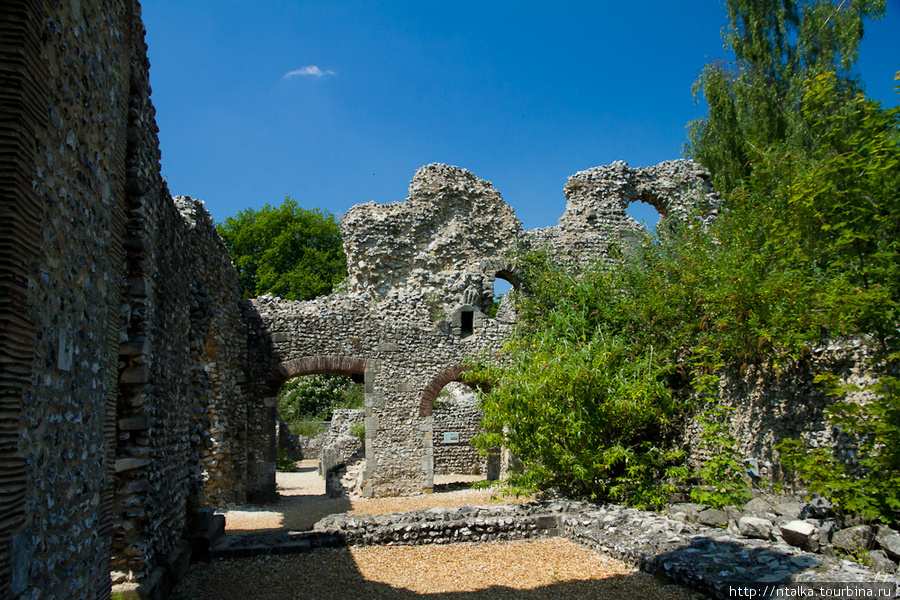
column 451, row 437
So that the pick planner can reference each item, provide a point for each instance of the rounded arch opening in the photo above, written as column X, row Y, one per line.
column 451, row 406
column 645, row 213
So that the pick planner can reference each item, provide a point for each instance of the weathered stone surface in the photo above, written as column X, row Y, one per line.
column 713, row 517
column 879, row 562
column 855, row 540
column 889, row 541
column 758, row 507
column 801, row 534
column 754, row 527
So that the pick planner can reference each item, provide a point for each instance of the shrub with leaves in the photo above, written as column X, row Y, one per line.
column 871, row 486
column 312, row 398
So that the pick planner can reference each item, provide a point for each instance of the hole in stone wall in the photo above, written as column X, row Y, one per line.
column 644, row 213
column 466, row 323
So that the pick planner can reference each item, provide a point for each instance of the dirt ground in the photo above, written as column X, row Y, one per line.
column 539, row 569
column 302, row 501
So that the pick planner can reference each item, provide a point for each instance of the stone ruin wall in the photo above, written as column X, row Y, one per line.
column 441, row 248
column 771, row 406
column 133, row 391
column 596, row 219
column 338, row 334
column 459, row 414
column 108, row 316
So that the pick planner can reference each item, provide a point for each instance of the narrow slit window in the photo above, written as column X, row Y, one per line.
column 467, row 323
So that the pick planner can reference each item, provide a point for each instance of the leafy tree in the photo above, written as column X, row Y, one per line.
column 313, row 398
column 808, row 247
column 287, row 251
column 754, row 102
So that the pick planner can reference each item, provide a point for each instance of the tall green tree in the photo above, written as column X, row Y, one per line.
column 285, row 250
column 754, row 102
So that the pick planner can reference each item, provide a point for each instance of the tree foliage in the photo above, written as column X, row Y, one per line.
column 313, row 398
column 807, row 249
column 754, row 102
column 288, row 251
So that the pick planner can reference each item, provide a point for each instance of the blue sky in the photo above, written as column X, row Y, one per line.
column 337, row 103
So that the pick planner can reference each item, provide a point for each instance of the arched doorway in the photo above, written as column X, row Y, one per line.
column 452, row 416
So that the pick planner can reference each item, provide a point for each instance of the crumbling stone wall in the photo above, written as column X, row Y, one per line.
column 419, row 259
column 597, row 199
column 770, row 406
column 413, row 307
column 457, row 413
column 108, row 314
column 338, row 334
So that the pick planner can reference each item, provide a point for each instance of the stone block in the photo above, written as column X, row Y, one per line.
column 713, row 517
column 135, row 375
column 281, row 336
column 790, row 510
column 801, row 534
column 758, row 507
column 879, row 562
column 755, row 527
column 135, row 347
column 889, row 540
column 854, row 540
column 134, row 424
column 130, row 464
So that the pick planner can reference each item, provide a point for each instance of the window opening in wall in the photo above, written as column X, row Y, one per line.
column 644, row 213
column 467, row 323
column 504, row 282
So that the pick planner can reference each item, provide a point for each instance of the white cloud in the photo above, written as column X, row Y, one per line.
column 310, row 70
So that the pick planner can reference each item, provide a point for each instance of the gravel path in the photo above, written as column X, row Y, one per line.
column 540, row 569
column 523, row 570
column 302, row 502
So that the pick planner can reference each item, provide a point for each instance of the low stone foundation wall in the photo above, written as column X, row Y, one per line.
column 443, row 526
column 711, row 560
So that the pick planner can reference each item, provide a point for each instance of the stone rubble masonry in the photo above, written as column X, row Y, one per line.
column 339, row 443
column 137, row 387
column 117, row 312
column 595, row 217
column 458, row 413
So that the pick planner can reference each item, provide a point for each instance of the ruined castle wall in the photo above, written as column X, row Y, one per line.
column 218, row 362
column 71, row 150
column 770, row 406
column 461, row 416
column 595, row 217
column 400, row 362
column 419, row 259
column 107, row 321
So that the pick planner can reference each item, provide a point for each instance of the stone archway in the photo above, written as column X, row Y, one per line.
column 263, row 471
column 440, row 444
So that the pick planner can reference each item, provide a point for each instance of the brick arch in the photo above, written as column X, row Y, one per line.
column 321, row 365
column 434, row 387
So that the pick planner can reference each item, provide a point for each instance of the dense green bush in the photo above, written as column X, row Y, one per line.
column 807, row 249
column 286, row 250
column 304, row 402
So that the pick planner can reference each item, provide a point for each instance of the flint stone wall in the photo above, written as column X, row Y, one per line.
column 771, row 406
column 339, row 443
column 595, row 217
column 119, row 322
column 458, row 414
